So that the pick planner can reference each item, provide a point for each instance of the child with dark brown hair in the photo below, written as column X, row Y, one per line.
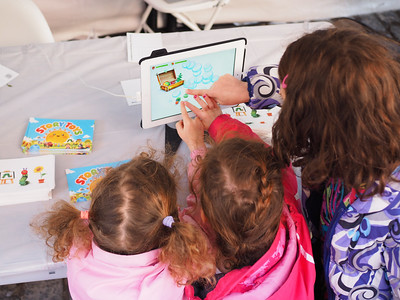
column 340, row 122
column 245, row 201
column 130, row 244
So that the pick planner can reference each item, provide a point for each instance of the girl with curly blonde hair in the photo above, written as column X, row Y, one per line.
column 130, row 244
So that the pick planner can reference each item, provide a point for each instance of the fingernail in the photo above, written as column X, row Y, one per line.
column 195, row 96
column 205, row 95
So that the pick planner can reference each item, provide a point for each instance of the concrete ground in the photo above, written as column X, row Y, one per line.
column 387, row 24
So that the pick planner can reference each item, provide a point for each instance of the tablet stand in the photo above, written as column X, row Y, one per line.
column 172, row 139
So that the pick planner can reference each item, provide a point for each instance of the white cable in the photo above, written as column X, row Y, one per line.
column 80, row 78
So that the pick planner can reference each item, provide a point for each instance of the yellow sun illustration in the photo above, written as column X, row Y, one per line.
column 57, row 136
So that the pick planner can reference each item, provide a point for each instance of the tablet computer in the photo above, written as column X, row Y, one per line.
column 165, row 76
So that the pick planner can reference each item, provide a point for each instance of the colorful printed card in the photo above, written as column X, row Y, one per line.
column 26, row 179
column 82, row 181
column 54, row 136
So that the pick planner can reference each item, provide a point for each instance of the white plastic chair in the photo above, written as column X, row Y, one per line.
column 178, row 8
column 21, row 22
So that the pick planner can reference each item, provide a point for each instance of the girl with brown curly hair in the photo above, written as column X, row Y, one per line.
column 340, row 122
column 130, row 244
column 245, row 201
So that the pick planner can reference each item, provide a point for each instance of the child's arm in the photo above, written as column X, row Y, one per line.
column 219, row 126
column 190, row 130
column 192, row 133
column 227, row 90
column 259, row 89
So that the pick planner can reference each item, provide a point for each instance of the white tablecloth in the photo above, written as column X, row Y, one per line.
column 59, row 81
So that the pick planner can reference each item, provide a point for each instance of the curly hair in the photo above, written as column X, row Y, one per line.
column 126, row 217
column 341, row 114
column 241, row 195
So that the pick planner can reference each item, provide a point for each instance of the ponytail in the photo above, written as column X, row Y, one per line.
column 187, row 252
column 62, row 228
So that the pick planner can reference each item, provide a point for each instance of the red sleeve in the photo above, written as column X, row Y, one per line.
column 224, row 127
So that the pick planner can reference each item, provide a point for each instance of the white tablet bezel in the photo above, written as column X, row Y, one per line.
column 145, row 65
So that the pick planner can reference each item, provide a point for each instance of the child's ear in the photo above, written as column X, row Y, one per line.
column 282, row 91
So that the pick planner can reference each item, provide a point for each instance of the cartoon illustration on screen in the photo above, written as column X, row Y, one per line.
column 175, row 77
column 168, row 80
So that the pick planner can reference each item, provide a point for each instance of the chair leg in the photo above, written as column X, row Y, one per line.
column 185, row 20
column 213, row 17
column 147, row 28
column 216, row 11
column 142, row 24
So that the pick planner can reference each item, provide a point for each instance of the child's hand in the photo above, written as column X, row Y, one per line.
column 227, row 90
column 190, row 130
column 209, row 111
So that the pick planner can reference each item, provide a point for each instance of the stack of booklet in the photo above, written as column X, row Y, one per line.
column 54, row 136
column 82, row 181
column 26, row 179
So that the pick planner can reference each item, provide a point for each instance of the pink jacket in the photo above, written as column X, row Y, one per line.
column 103, row 275
column 286, row 271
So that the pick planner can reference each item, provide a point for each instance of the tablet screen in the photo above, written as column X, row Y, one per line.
column 165, row 79
column 170, row 80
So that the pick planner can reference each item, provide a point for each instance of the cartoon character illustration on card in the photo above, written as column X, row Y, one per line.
column 24, row 178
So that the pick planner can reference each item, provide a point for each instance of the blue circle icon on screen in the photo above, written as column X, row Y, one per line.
column 189, row 65
column 190, row 84
column 207, row 75
column 176, row 93
column 197, row 68
column 186, row 64
column 207, row 68
column 197, row 79
column 206, row 80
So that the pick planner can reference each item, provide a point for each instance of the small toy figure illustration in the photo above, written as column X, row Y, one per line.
column 239, row 111
column 254, row 113
column 168, row 80
column 24, row 179
column 39, row 170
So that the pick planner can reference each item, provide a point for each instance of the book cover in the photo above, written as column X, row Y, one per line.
column 26, row 179
column 82, row 181
column 45, row 136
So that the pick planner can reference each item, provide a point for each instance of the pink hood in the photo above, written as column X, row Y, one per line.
column 104, row 275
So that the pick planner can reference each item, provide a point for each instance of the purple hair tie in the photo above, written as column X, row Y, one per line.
column 167, row 221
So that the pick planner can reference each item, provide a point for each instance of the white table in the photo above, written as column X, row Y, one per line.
column 56, row 81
